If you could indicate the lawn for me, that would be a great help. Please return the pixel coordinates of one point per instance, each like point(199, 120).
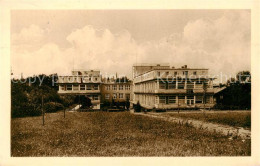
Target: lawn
point(116, 134)
point(232, 118)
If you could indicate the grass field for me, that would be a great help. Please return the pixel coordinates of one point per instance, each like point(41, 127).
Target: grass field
point(232, 118)
point(116, 134)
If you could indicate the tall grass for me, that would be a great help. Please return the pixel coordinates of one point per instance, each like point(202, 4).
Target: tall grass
point(116, 134)
point(236, 119)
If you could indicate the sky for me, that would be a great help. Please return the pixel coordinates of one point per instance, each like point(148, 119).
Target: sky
point(58, 41)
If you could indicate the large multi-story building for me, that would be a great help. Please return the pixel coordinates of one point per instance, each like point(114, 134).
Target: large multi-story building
point(154, 86)
point(159, 86)
point(82, 82)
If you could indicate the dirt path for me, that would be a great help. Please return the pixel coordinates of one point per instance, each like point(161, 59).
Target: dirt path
point(213, 127)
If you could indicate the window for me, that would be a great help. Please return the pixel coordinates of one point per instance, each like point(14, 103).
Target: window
point(172, 85)
point(95, 97)
point(127, 87)
point(62, 87)
point(127, 96)
point(69, 87)
point(162, 85)
point(181, 99)
point(121, 95)
point(121, 87)
point(194, 73)
point(208, 99)
point(190, 85)
point(185, 73)
point(181, 85)
point(172, 99)
point(89, 78)
point(107, 87)
point(158, 74)
point(95, 87)
point(75, 87)
point(114, 87)
point(82, 87)
point(189, 91)
point(96, 79)
point(162, 99)
point(107, 96)
point(175, 73)
point(89, 87)
point(199, 85)
point(199, 99)
point(114, 96)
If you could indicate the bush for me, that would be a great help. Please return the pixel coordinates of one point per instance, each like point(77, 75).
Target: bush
point(24, 110)
point(137, 107)
point(53, 107)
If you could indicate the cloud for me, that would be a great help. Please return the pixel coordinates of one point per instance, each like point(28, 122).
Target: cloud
point(29, 38)
point(222, 45)
point(99, 48)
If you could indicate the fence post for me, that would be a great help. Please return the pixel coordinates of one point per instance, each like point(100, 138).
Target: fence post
point(42, 113)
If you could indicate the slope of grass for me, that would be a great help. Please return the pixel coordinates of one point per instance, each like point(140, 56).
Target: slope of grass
point(116, 134)
point(232, 118)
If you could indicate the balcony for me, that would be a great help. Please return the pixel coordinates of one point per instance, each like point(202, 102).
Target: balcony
point(78, 91)
point(173, 91)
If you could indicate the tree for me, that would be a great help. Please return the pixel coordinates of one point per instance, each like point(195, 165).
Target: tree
point(127, 104)
point(205, 86)
point(113, 103)
point(243, 76)
point(137, 107)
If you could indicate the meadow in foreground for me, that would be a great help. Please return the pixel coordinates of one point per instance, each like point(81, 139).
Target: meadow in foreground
point(116, 134)
point(232, 118)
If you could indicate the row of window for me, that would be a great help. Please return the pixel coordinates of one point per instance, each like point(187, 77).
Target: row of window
point(81, 79)
point(120, 87)
point(119, 95)
point(174, 85)
point(93, 97)
point(176, 73)
point(182, 99)
point(79, 87)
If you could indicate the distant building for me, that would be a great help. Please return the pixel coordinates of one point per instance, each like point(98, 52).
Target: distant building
point(82, 83)
point(117, 90)
point(158, 86)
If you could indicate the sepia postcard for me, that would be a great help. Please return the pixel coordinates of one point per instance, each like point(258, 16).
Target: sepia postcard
point(118, 83)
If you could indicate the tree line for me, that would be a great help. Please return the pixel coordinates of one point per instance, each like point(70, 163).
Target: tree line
point(27, 96)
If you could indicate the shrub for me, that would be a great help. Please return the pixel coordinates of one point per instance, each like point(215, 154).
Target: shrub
point(137, 107)
point(53, 107)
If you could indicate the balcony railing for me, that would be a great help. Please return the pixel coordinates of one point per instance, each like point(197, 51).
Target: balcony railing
point(174, 91)
point(78, 91)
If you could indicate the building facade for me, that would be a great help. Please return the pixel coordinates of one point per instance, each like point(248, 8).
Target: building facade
point(159, 86)
point(82, 82)
point(117, 91)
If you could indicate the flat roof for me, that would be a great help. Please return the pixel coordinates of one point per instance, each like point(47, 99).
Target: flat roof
point(151, 64)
